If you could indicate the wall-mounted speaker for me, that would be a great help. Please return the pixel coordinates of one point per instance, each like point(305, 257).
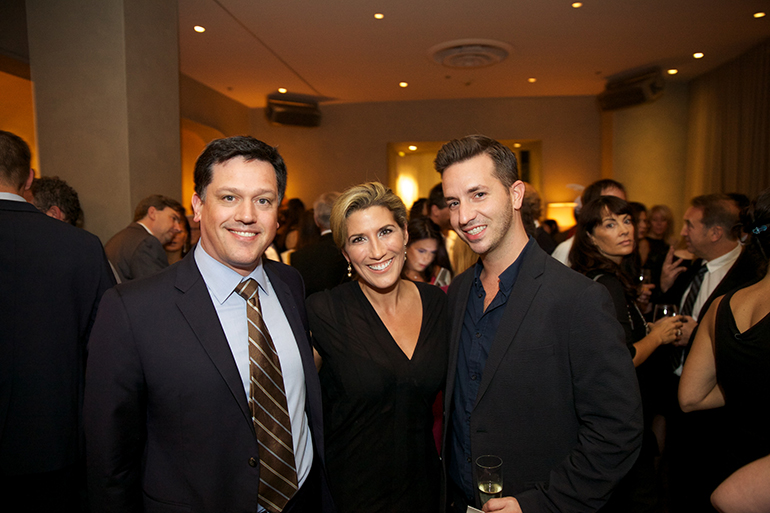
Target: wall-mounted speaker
point(292, 112)
point(629, 90)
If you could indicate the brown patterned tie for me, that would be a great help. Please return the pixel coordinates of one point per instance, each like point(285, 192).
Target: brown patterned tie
point(267, 400)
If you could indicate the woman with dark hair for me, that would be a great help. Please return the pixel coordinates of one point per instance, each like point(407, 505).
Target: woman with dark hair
point(603, 240)
point(179, 246)
point(382, 348)
point(288, 231)
point(426, 257)
point(729, 365)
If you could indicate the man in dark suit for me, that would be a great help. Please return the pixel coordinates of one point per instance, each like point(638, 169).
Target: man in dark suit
point(173, 414)
point(539, 373)
point(720, 267)
point(52, 276)
point(137, 250)
point(321, 264)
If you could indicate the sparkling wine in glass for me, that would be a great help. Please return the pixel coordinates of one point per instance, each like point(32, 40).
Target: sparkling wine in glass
point(489, 471)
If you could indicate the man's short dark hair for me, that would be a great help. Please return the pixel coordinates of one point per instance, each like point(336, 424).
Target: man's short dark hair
point(436, 197)
point(596, 189)
point(157, 201)
point(15, 159)
point(718, 210)
point(459, 150)
point(49, 191)
point(219, 151)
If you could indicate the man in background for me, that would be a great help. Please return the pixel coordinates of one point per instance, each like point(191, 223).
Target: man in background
point(321, 264)
point(52, 277)
point(137, 250)
point(438, 212)
point(55, 198)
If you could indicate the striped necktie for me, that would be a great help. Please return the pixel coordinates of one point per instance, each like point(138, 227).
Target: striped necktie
point(689, 302)
point(267, 401)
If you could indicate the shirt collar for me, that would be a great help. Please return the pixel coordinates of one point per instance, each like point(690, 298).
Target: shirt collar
point(145, 227)
point(221, 280)
point(508, 277)
point(325, 232)
point(9, 196)
point(730, 256)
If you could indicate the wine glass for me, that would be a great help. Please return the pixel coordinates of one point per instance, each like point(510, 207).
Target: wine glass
point(662, 311)
point(489, 472)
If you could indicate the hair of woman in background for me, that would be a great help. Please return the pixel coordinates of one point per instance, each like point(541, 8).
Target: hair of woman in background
point(604, 239)
point(424, 251)
point(286, 236)
point(419, 208)
point(661, 224)
point(179, 246)
point(382, 347)
point(729, 365)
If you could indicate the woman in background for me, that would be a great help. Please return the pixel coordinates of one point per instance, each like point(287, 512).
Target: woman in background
point(179, 246)
point(382, 350)
point(729, 365)
point(426, 257)
point(603, 240)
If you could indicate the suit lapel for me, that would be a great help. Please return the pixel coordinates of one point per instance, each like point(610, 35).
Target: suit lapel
point(197, 308)
point(459, 297)
point(522, 296)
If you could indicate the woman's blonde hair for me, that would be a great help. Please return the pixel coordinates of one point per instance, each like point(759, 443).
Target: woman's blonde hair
point(361, 197)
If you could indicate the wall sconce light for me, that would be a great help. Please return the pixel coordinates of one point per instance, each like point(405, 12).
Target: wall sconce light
point(562, 213)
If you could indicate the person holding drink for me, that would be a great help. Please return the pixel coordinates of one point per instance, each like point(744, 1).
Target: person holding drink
point(382, 349)
point(538, 372)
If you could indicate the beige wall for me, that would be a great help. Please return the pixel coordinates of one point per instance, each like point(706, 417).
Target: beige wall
point(649, 150)
point(350, 146)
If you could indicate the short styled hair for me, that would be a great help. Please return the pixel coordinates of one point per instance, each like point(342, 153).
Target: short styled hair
point(460, 150)
point(361, 197)
point(15, 160)
point(436, 197)
point(718, 210)
point(597, 189)
point(159, 202)
point(49, 191)
point(219, 151)
point(322, 209)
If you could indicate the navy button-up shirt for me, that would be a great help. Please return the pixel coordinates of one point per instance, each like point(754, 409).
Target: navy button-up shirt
point(479, 329)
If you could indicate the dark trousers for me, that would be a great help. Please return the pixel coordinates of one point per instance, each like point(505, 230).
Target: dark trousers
point(50, 492)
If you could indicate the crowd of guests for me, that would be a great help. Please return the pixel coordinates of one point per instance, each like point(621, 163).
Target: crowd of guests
point(395, 349)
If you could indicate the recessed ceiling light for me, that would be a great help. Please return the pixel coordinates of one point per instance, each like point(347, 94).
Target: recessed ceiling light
point(402, 84)
point(759, 14)
point(199, 29)
point(517, 145)
point(672, 71)
point(698, 55)
point(401, 153)
point(282, 90)
point(531, 80)
point(412, 147)
point(577, 5)
point(379, 15)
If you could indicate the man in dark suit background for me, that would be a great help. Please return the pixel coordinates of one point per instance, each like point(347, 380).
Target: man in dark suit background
point(137, 250)
point(169, 412)
point(539, 373)
point(52, 276)
point(321, 264)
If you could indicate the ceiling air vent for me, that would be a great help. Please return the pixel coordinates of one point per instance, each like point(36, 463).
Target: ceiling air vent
point(470, 53)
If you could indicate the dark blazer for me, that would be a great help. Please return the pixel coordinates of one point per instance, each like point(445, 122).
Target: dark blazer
point(167, 421)
point(135, 253)
point(321, 265)
point(52, 276)
point(559, 400)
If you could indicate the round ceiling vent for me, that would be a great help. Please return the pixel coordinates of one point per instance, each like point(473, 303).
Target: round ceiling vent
point(470, 53)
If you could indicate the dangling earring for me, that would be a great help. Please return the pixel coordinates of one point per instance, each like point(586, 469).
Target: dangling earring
point(350, 271)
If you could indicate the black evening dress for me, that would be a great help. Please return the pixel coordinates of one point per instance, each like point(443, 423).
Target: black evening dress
point(380, 451)
point(743, 372)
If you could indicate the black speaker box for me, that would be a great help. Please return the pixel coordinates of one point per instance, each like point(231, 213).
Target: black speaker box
point(632, 90)
point(292, 113)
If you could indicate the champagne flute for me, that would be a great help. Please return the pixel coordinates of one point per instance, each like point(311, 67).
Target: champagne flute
point(662, 311)
point(489, 472)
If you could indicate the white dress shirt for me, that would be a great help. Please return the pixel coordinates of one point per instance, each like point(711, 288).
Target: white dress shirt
point(231, 309)
point(717, 269)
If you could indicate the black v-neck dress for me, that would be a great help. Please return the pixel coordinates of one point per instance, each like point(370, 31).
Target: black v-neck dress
point(380, 452)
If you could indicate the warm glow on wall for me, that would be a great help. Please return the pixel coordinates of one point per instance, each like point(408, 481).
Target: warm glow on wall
point(406, 189)
point(562, 213)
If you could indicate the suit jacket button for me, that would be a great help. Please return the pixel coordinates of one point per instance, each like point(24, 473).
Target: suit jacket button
point(252, 462)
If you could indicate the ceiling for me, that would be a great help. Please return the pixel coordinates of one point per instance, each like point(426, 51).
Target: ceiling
point(337, 50)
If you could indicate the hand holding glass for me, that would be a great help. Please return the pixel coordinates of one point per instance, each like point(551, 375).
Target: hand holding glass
point(489, 472)
point(662, 311)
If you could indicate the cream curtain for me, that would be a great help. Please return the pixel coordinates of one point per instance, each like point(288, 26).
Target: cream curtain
point(729, 127)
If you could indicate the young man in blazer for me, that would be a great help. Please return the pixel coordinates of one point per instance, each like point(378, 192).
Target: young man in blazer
point(170, 411)
point(539, 373)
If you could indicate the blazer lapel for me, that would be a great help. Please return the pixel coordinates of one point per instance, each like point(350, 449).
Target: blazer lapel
point(460, 304)
point(521, 298)
point(197, 308)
